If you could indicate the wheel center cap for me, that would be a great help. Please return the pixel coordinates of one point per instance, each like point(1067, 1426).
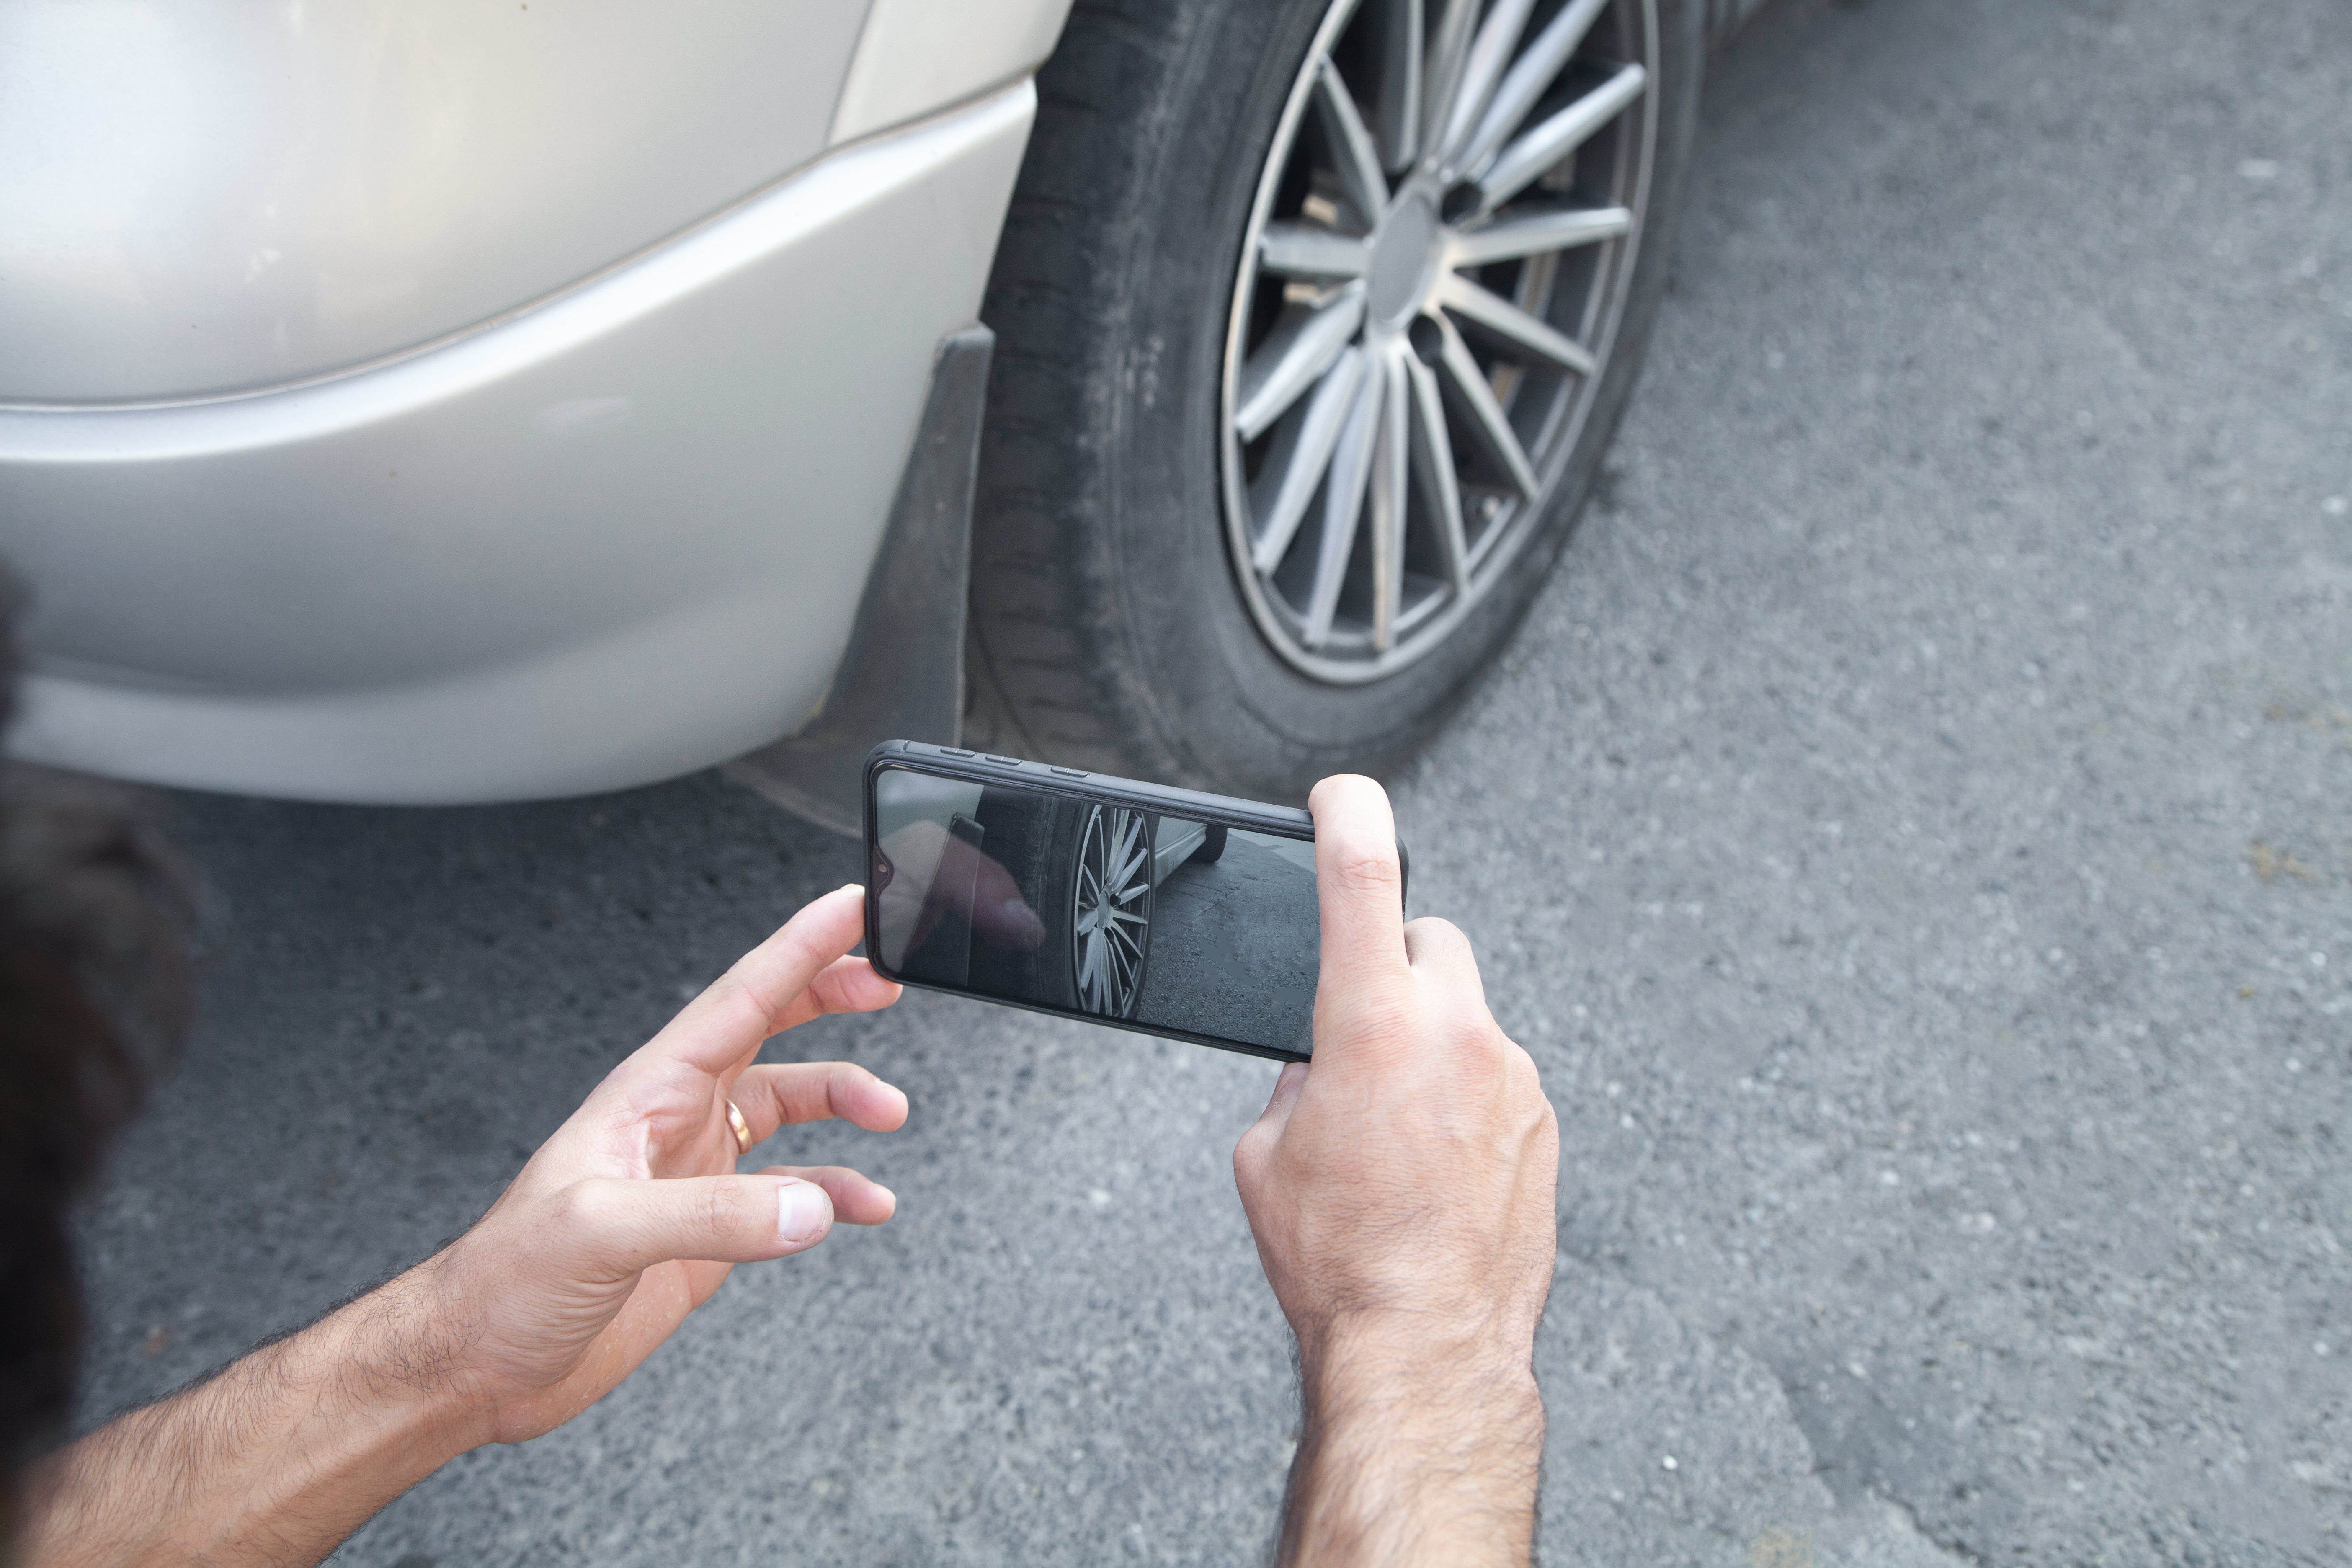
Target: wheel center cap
point(1404, 254)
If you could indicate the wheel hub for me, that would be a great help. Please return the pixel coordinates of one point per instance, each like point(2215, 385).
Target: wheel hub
point(1405, 254)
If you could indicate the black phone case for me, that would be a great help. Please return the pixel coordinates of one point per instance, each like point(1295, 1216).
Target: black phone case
point(951, 762)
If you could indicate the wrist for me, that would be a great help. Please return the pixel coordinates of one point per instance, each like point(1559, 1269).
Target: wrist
point(1421, 1441)
point(1416, 1356)
point(395, 1361)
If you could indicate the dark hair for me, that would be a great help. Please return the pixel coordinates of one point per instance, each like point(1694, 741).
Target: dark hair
point(95, 918)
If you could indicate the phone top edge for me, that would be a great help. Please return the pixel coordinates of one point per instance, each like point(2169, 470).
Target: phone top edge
point(959, 762)
point(1197, 806)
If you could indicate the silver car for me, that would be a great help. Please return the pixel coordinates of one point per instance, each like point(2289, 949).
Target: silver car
point(443, 402)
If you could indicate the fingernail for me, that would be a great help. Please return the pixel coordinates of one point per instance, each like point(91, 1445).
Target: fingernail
point(801, 1211)
point(858, 887)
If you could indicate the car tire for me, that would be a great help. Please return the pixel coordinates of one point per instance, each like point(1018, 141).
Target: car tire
point(1212, 846)
point(1113, 621)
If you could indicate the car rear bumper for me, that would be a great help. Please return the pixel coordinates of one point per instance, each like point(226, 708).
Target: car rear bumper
point(610, 538)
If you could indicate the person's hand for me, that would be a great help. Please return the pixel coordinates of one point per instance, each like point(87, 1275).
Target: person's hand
point(1402, 1190)
point(1404, 1183)
point(630, 1216)
point(623, 1223)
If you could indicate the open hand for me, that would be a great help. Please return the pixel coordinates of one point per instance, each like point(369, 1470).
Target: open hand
point(631, 1215)
point(623, 1223)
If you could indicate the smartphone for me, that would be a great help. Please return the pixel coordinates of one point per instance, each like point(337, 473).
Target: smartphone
point(1138, 905)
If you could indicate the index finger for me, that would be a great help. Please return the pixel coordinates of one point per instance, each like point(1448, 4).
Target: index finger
point(1358, 884)
point(760, 995)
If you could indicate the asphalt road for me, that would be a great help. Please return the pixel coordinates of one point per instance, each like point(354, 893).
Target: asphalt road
point(1914, 833)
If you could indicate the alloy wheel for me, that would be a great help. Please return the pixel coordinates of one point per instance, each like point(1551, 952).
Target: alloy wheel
point(1440, 249)
point(1111, 910)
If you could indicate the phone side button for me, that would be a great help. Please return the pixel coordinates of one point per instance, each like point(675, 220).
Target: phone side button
point(1071, 772)
point(951, 752)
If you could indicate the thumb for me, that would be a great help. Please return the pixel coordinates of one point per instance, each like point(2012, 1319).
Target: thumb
point(616, 1228)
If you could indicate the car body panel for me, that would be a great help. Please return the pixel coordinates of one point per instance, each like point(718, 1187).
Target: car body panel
point(215, 195)
point(916, 56)
point(611, 539)
point(1174, 841)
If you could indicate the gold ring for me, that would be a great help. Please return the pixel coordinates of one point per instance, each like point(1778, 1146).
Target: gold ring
point(742, 1128)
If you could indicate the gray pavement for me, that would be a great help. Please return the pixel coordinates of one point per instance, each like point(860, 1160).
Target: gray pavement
point(1914, 833)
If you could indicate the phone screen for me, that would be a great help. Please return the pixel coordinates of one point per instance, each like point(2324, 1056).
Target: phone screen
point(1099, 910)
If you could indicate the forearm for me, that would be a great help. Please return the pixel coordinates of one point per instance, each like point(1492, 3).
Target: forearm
point(1413, 1452)
point(273, 1461)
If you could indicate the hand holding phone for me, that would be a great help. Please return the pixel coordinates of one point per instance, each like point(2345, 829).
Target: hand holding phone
point(1400, 1188)
point(1402, 1193)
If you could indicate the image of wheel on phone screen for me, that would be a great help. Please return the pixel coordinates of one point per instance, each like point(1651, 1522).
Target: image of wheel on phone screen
point(1110, 910)
point(1087, 870)
point(1091, 871)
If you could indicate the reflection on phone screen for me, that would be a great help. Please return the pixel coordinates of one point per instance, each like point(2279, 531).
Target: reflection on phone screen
point(1007, 891)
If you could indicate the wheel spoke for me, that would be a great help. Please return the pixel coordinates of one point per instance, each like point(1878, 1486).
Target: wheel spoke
point(1530, 157)
point(1343, 505)
point(1358, 159)
point(1298, 351)
point(1391, 467)
point(1516, 327)
point(1310, 250)
point(1491, 51)
point(1110, 955)
point(1398, 118)
point(1432, 467)
point(1449, 51)
point(1488, 426)
point(1302, 455)
point(1519, 236)
point(1530, 77)
point(1132, 854)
